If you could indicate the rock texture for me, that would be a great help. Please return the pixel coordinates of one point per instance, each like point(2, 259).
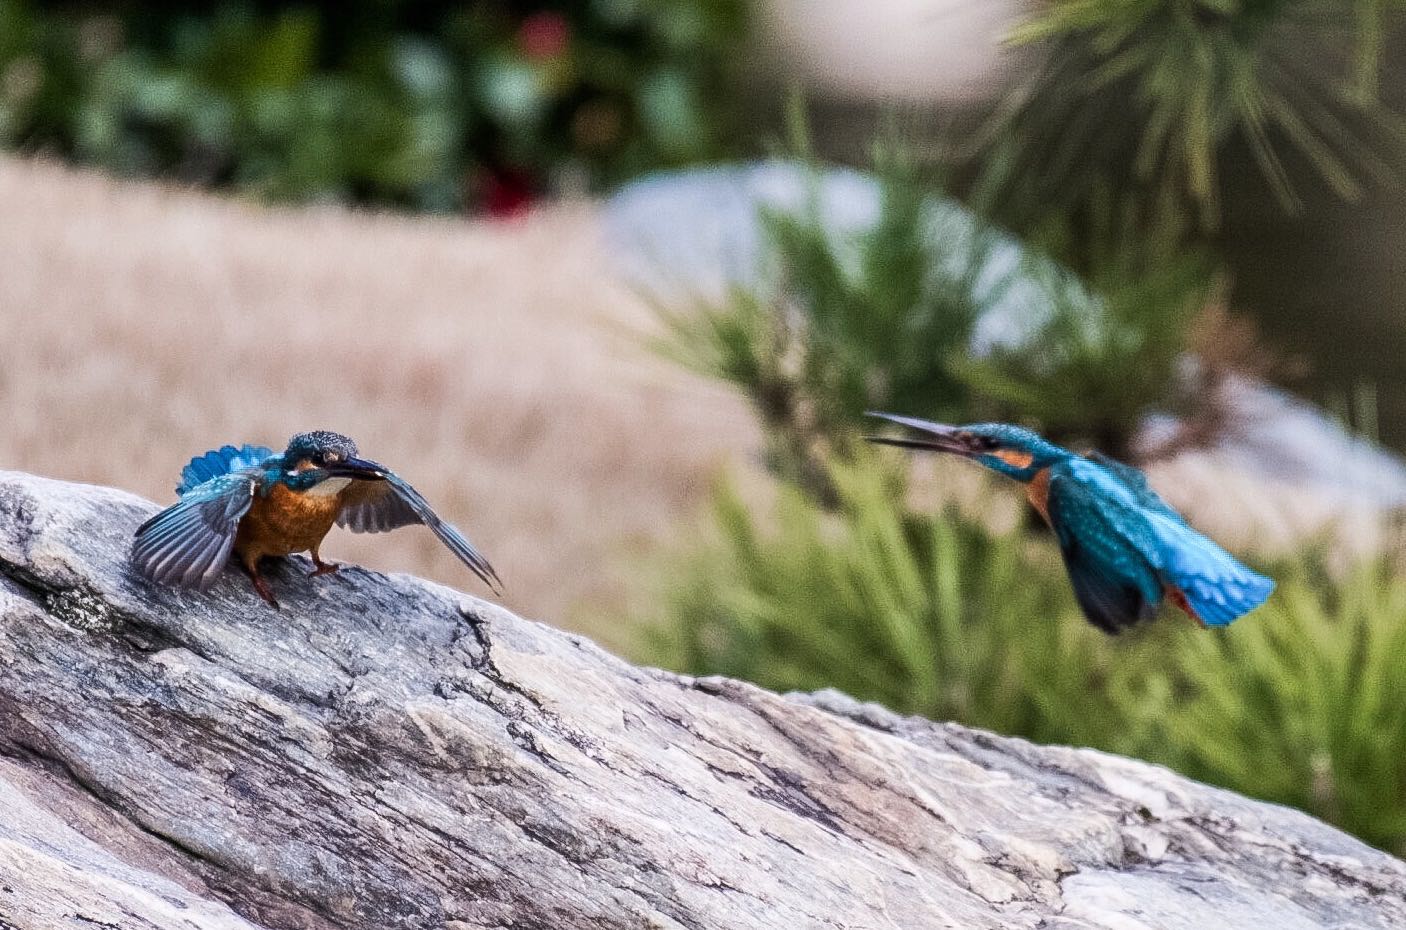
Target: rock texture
point(386, 753)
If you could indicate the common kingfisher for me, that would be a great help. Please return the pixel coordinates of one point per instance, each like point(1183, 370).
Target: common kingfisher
point(1125, 548)
point(254, 503)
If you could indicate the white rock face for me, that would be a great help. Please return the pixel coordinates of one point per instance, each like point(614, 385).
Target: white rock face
point(386, 753)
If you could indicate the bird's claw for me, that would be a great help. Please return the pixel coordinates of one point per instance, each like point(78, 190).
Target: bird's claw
point(323, 568)
point(265, 593)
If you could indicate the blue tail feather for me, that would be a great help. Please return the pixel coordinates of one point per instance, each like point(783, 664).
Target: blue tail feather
point(1217, 587)
point(222, 461)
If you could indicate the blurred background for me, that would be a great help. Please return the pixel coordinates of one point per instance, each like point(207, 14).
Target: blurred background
point(612, 282)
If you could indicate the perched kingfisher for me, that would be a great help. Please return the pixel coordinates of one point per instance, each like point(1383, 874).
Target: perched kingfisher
point(254, 503)
point(1124, 547)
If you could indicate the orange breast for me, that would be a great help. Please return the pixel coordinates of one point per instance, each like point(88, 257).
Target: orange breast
point(285, 522)
point(1038, 491)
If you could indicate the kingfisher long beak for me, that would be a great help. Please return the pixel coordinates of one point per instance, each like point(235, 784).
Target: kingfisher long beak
point(937, 437)
point(357, 468)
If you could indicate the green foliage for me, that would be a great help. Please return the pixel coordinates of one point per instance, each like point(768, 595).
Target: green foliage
point(877, 319)
point(943, 616)
point(433, 106)
point(915, 612)
point(1303, 704)
point(1106, 353)
point(886, 317)
point(1134, 103)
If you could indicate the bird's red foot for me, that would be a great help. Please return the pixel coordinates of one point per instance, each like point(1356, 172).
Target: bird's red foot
point(264, 592)
point(322, 568)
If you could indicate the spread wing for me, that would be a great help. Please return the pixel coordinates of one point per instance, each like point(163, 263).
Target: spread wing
point(1114, 583)
point(1123, 546)
point(222, 461)
point(190, 541)
point(376, 506)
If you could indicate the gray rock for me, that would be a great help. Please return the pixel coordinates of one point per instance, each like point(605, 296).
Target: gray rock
point(386, 753)
point(691, 236)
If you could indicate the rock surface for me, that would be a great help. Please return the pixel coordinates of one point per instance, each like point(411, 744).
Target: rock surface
point(386, 753)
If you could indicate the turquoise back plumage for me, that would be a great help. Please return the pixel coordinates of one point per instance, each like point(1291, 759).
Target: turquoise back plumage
point(222, 461)
point(1124, 546)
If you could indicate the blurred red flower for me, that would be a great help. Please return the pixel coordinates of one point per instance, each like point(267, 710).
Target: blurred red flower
point(504, 192)
point(544, 35)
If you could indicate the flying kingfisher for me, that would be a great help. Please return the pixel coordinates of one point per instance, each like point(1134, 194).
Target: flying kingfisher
point(254, 503)
point(1124, 547)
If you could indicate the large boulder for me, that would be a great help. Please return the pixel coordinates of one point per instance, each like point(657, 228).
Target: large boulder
point(387, 753)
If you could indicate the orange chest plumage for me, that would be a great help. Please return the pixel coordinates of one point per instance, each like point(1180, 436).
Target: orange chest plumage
point(1038, 492)
point(285, 521)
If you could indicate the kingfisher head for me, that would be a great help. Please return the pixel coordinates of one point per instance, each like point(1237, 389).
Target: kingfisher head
point(1014, 451)
point(313, 458)
point(317, 449)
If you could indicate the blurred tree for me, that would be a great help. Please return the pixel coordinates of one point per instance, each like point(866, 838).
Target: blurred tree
point(877, 318)
point(1134, 103)
point(934, 311)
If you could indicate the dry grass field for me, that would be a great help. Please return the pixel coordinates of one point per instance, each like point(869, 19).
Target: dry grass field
point(497, 366)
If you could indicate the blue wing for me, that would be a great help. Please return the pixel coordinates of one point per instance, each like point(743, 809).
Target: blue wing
point(1217, 588)
point(1117, 501)
point(1136, 482)
point(1115, 584)
point(190, 541)
point(379, 506)
point(222, 461)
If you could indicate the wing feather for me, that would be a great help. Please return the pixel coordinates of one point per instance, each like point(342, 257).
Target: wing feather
point(374, 507)
point(1110, 507)
point(190, 541)
point(1114, 583)
point(1217, 587)
point(225, 460)
point(382, 505)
